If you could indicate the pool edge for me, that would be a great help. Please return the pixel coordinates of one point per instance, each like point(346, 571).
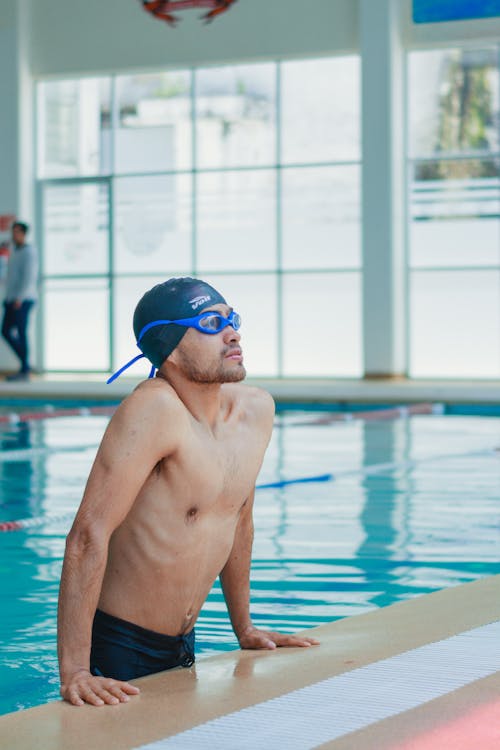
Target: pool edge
point(172, 702)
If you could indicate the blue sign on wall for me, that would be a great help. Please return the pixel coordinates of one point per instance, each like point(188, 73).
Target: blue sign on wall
point(432, 11)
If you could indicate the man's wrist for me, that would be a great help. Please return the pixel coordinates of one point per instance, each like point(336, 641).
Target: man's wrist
point(244, 629)
point(67, 673)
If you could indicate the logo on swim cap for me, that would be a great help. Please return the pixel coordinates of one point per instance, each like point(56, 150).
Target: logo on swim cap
point(197, 301)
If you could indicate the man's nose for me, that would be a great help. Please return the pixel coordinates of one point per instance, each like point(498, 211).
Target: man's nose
point(231, 335)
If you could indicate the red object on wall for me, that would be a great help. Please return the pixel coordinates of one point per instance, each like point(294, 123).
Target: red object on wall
point(163, 8)
point(6, 222)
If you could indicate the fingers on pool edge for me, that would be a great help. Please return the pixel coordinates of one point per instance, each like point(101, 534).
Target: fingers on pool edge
point(129, 689)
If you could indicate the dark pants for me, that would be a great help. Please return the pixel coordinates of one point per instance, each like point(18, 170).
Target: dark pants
point(125, 651)
point(14, 326)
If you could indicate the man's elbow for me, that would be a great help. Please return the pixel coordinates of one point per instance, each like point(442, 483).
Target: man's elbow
point(84, 540)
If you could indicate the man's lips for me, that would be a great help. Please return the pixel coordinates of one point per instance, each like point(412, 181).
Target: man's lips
point(235, 354)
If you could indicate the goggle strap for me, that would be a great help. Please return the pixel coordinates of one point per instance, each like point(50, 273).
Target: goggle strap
point(152, 372)
point(125, 367)
point(152, 325)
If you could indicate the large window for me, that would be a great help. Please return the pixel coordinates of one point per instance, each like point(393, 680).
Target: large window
point(454, 239)
point(246, 175)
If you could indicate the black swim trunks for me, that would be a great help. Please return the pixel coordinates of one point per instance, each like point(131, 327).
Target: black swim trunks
point(125, 651)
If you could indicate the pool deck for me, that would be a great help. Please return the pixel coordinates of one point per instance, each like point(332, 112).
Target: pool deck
point(173, 702)
point(397, 390)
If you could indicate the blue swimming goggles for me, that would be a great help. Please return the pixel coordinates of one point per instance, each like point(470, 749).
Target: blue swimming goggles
point(208, 322)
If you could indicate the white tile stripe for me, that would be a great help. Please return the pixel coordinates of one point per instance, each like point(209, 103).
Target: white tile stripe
point(306, 718)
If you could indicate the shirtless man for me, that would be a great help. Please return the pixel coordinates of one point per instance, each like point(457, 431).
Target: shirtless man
point(168, 504)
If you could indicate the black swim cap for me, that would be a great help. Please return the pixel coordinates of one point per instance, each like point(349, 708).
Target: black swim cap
point(176, 298)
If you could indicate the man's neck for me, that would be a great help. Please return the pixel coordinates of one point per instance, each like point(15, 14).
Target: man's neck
point(202, 400)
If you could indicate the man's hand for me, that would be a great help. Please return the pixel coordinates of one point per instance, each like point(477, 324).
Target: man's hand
point(256, 639)
point(82, 687)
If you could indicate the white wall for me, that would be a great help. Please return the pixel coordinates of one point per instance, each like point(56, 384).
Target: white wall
point(9, 93)
point(110, 35)
point(16, 128)
point(8, 138)
point(107, 35)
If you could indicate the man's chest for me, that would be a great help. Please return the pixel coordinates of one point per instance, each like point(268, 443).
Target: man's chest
point(220, 470)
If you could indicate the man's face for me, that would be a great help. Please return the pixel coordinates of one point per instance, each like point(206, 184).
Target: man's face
point(211, 358)
point(17, 235)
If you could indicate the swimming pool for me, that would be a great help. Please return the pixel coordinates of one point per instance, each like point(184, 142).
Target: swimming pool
point(357, 514)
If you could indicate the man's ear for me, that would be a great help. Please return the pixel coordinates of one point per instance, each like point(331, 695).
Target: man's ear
point(173, 357)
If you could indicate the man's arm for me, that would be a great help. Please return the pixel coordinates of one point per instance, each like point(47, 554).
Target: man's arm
point(235, 582)
point(136, 439)
point(235, 575)
point(26, 286)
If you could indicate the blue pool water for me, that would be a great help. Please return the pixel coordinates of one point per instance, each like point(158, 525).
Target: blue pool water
point(412, 506)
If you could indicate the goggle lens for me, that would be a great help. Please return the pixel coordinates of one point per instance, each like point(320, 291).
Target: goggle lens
point(215, 322)
point(211, 322)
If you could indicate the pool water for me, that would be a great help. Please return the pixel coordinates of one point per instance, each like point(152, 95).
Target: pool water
point(360, 514)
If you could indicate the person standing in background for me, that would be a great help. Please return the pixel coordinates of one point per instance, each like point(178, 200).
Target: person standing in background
point(20, 296)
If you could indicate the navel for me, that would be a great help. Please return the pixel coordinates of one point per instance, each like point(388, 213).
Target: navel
point(192, 513)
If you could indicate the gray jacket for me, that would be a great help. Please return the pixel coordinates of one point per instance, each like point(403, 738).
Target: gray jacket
point(22, 274)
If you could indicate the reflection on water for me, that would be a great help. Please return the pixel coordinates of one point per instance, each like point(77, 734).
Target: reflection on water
point(426, 520)
point(17, 477)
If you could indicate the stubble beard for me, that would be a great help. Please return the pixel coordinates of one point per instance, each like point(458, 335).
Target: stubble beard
point(218, 372)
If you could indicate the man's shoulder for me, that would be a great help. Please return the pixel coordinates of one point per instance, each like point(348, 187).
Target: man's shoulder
point(249, 393)
point(255, 401)
point(152, 400)
point(261, 398)
point(159, 393)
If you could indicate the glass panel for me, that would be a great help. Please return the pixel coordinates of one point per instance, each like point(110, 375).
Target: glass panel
point(236, 116)
point(455, 324)
point(453, 101)
point(321, 217)
point(75, 229)
point(126, 294)
point(74, 127)
point(76, 324)
point(320, 102)
point(153, 224)
point(154, 131)
point(254, 296)
point(322, 324)
point(236, 221)
point(455, 208)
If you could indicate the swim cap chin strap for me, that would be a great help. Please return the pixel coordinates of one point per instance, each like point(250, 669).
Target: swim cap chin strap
point(129, 364)
point(146, 328)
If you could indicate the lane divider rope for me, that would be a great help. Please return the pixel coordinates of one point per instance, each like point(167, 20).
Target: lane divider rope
point(51, 413)
point(396, 412)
